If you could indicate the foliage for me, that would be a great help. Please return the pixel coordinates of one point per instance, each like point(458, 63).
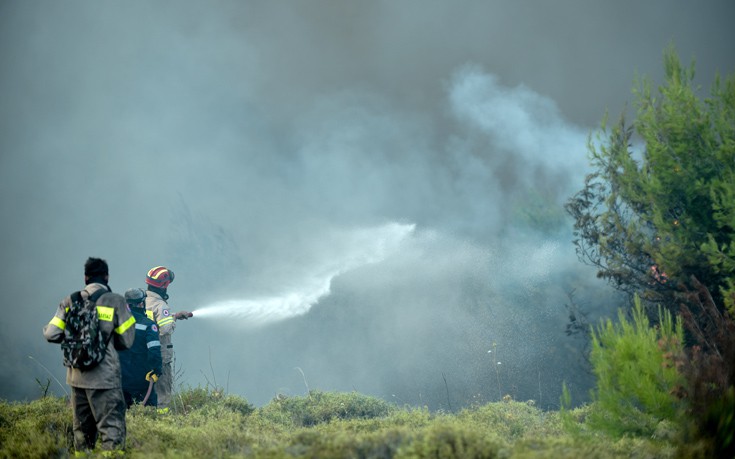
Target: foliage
point(638, 373)
point(659, 219)
point(710, 372)
point(650, 220)
point(537, 210)
point(217, 426)
point(572, 419)
point(41, 428)
point(319, 407)
point(206, 397)
point(512, 420)
point(452, 439)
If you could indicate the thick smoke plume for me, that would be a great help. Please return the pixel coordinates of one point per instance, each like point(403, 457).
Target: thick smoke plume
point(261, 150)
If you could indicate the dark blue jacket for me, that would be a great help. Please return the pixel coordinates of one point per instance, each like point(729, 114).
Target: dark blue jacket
point(143, 356)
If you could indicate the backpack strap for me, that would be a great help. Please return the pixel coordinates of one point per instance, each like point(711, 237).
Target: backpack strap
point(96, 295)
point(76, 297)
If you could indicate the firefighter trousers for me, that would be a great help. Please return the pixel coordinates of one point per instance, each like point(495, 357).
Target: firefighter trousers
point(98, 412)
point(165, 385)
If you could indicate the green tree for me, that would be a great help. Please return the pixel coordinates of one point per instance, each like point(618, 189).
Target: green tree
point(657, 217)
point(638, 373)
point(651, 217)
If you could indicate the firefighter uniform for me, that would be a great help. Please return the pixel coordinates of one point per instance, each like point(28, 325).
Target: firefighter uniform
point(157, 309)
point(141, 359)
point(97, 398)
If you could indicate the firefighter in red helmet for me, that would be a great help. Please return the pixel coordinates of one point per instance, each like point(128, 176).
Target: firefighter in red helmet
point(157, 309)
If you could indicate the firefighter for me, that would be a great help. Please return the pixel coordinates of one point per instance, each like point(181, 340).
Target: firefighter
point(156, 305)
point(141, 364)
point(96, 394)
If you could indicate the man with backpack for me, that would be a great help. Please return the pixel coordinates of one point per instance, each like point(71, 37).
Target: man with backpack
point(158, 280)
point(92, 325)
point(141, 364)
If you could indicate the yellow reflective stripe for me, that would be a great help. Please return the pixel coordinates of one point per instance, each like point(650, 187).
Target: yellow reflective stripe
point(123, 328)
point(105, 313)
point(149, 314)
point(165, 321)
point(58, 322)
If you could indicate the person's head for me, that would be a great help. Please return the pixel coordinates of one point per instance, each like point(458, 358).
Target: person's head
point(135, 297)
point(159, 277)
point(96, 270)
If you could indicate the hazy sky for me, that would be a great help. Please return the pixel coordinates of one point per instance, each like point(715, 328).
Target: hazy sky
point(393, 172)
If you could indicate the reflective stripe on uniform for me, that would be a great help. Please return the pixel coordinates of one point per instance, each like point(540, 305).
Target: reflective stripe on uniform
point(149, 314)
point(154, 344)
point(105, 313)
point(140, 326)
point(165, 321)
point(58, 322)
point(124, 327)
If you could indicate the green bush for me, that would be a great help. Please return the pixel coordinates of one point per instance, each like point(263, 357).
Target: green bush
point(511, 419)
point(334, 440)
point(325, 425)
point(210, 430)
point(41, 428)
point(205, 397)
point(636, 366)
point(448, 439)
point(319, 407)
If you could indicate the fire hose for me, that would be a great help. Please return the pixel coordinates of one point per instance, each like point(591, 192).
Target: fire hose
point(148, 394)
point(152, 378)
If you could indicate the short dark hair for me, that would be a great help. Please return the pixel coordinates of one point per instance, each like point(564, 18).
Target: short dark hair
point(95, 268)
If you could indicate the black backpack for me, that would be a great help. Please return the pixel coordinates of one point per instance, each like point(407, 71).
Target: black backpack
point(84, 346)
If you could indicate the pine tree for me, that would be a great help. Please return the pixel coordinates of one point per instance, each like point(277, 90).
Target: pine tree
point(650, 217)
point(657, 218)
point(638, 370)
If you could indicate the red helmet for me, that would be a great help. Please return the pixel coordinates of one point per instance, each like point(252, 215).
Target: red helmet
point(160, 277)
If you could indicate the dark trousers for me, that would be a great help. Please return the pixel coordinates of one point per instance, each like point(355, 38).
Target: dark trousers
point(98, 412)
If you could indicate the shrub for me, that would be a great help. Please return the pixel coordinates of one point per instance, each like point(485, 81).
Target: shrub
point(333, 440)
point(220, 427)
point(510, 419)
point(319, 407)
point(451, 439)
point(637, 370)
point(41, 428)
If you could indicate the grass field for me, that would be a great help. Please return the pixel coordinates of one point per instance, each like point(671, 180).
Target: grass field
point(208, 423)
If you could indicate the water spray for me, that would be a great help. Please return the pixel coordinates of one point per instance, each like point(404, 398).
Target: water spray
point(359, 248)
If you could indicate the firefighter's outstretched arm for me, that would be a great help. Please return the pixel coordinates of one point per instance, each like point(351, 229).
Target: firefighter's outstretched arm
point(183, 315)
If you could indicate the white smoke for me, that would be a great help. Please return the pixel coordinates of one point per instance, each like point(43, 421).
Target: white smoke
point(519, 121)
